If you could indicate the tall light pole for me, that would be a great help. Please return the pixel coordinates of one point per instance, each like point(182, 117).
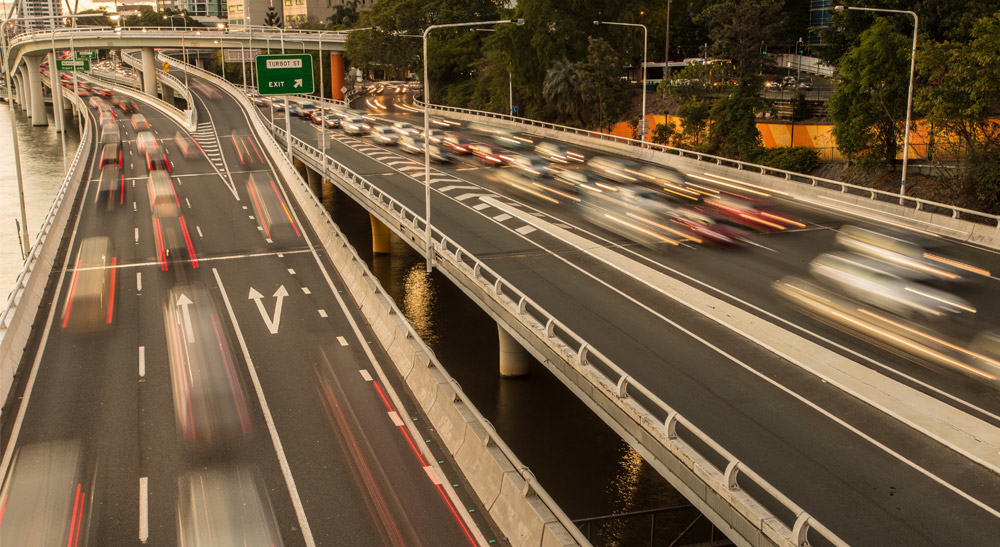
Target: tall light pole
point(666, 51)
point(428, 247)
point(642, 125)
point(183, 16)
point(795, 93)
point(909, 92)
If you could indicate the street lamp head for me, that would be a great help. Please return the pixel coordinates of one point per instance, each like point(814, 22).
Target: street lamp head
point(597, 22)
point(840, 8)
point(518, 22)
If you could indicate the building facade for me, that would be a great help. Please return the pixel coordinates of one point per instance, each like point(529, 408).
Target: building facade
point(40, 8)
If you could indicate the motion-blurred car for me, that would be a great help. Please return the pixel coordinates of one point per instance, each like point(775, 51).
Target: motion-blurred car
point(411, 144)
point(440, 153)
point(90, 301)
point(306, 109)
point(258, 100)
point(404, 128)
point(273, 214)
point(615, 169)
point(278, 103)
point(458, 144)
point(749, 212)
point(333, 121)
point(225, 508)
point(111, 190)
point(139, 121)
point(913, 260)
point(489, 154)
point(435, 136)
point(169, 230)
point(384, 135)
point(316, 117)
point(864, 280)
point(126, 105)
point(706, 227)
point(531, 166)
point(209, 400)
point(355, 125)
point(48, 496)
point(557, 153)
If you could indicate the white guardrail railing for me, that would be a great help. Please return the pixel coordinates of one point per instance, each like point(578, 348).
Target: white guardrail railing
point(187, 118)
point(844, 187)
point(531, 486)
point(18, 317)
point(656, 417)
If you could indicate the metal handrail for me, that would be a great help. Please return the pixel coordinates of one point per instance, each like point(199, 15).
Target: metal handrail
point(913, 202)
point(495, 438)
point(29, 263)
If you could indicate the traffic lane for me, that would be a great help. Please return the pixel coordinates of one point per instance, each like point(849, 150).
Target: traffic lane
point(340, 426)
point(723, 400)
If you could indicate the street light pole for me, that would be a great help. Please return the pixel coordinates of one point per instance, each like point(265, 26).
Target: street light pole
point(795, 93)
point(428, 247)
point(909, 92)
point(645, 33)
point(666, 51)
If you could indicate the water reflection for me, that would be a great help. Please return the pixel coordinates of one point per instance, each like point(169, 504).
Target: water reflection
point(418, 302)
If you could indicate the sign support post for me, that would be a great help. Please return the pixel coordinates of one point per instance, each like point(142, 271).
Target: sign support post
point(285, 75)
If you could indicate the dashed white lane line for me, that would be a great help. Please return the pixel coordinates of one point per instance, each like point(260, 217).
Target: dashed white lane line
point(322, 313)
point(142, 361)
point(342, 340)
point(395, 418)
point(366, 375)
point(137, 235)
point(501, 217)
point(143, 509)
point(481, 206)
point(138, 281)
point(199, 232)
point(251, 217)
point(525, 230)
point(133, 206)
point(186, 200)
point(306, 290)
point(291, 271)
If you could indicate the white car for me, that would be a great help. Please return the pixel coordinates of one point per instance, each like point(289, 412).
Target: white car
point(355, 126)
point(435, 136)
point(404, 128)
point(384, 135)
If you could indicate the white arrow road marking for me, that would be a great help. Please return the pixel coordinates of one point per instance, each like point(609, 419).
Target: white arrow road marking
point(271, 322)
point(184, 302)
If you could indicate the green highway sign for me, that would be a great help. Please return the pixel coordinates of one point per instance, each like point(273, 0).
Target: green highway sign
point(284, 74)
point(70, 65)
point(86, 55)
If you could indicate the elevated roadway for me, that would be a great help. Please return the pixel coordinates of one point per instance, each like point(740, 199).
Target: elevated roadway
point(854, 461)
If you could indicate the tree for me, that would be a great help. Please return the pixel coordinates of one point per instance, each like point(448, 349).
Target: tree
point(738, 28)
point(869, 105)
point(271, 18)
point(695, 113)
point(345, 14)
point(733, 132)
point(602, 85)
point(665, 134)
point(99, 19)
point(562, 89)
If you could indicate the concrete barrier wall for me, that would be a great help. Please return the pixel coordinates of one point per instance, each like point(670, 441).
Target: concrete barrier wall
point(520, 507)
point(20, 314)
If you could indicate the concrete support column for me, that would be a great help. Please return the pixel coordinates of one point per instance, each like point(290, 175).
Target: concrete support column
point(23, 87)
point(315, 182)
point(514, 359)
point(58, 110)
point(380, 236)
point(148, 71)
point(328, 194)
point(199, 63)
point(337, 75)
point(168, 94)
point(15, 81)
point(38, 114)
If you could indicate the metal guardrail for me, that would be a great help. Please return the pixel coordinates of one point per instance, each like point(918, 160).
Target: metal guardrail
point(655, 416)
point(519, 467)
point(918, 204)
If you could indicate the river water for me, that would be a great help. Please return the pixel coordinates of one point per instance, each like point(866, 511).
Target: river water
point(42, 173)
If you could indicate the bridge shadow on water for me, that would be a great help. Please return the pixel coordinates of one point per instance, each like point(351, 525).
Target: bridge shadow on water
point(597, 478)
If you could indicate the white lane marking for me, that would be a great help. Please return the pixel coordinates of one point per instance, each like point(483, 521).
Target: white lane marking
point(306, 290)
point(137, 235)
point(186, 200)
point(569, 238)
point(501, 217)
point(200, 235)
point(291, 271)
point(481, 206)
point(272, 322)
point(143, 509)
point(464, 197)
point(525, 230)
point(138, 281)
point(142, 361)
point(364, 374)
point(251, 217)
point(432, 474)
point(244, 207)
point(133, 206)
point(395, 418)
point(322, 313)
point(342, 340)
point(286, 471)
point(281, 255)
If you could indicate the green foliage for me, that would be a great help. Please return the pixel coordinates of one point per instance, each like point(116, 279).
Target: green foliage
point(100, 19)
point(733, 132)
point(665, 134)
point(695, 113)
point(345, 14)
point(737, 29)
point(801, 108)
point(869, 105)
point(272, 19)
point(799, 159)
point(562, 89)
point(159, 19)
point(602, 85)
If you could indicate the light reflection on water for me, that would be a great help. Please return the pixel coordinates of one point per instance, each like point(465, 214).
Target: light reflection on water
point(580, 461)
point(42, 173)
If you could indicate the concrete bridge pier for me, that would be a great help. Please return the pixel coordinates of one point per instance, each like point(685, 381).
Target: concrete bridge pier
point(38, 114)
point(514, 359)
point(22, 86)
point(315, 182)
point(148, 71)
point(168, 94)
point(58, 110)
point(327, 195)
point(380, 236)
point(199, 63)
